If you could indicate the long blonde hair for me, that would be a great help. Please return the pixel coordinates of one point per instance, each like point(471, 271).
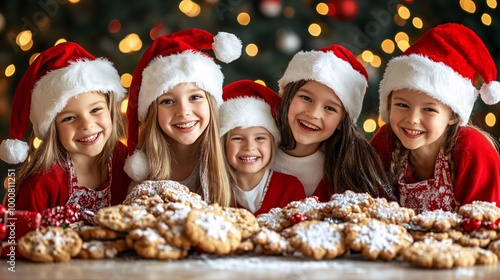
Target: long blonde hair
point(51, 151)
point(214, 178)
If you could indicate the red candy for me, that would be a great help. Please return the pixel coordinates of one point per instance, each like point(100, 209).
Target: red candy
point(61, 215)
point(297, 218)
point(3, 231)
point(471, 224)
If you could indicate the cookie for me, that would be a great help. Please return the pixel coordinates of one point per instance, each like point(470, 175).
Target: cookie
point(145, 201)
point(97, 249)
point(246, 246)
point(149, 244)
point(308, 208)
point(431, 253)
point(177, 193)
point(98, 233)
point(341, 205)
point(479, 238)
point(486, 212)
point(377, 239)
point(495, 247)
point(390, 212)
point(123, 218)
point(437, 220)
point(212, 232)
point(151, 188)
point(318, 239)
point(50, 244)
point(274, 220)
point(244, 220)
point(484, 257)
point(171, 224)
point(421, 235)
point(272, 243)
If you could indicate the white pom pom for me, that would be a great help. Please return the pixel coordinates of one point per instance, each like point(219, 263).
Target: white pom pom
point(13, 151)
point(226, 46)
point(490, 93)
point(137, 166)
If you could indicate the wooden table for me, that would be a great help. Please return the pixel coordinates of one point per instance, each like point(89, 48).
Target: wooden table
point(239, 268)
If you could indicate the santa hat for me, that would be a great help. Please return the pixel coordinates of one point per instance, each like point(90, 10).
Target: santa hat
point(57, 74)
point(247, 104)
point(335, 67)
point(444, 63)
point(173, 59)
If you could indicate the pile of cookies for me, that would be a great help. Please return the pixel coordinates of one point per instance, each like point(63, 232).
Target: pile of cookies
point(164, 220)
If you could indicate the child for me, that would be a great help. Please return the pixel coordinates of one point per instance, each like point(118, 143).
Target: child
point(322, 94)
point(435, 158)
point(72, 100)
point(250, 135)
point(173, 117)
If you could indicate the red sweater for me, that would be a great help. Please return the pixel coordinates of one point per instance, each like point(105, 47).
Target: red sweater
point(476, 164)
point(51, 188)
point(282, 190)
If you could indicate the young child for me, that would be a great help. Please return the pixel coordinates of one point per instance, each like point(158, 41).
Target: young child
point(173, 119)
point(72, 100)
point(322, 94)
point(434, 157)
point(250, 136)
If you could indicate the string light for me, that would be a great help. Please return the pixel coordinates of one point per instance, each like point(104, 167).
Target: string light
point(314, 29)
point(369, 125)
point(243, 19)
point(126, 80)
point(252, 50)
point(486, 19)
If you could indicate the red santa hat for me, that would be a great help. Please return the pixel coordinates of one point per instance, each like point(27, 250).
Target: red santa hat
point(57, 74)
point(335, 67)
point(247, 104)
point(173, 59)
point(445, 63)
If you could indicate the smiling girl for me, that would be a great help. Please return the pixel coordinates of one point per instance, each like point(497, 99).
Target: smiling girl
point(322, 95)
point(250, 138)
point(435, 158)
point(173, 117)
point(72, 101)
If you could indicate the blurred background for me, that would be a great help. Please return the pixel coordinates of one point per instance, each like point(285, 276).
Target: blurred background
point(271, 31)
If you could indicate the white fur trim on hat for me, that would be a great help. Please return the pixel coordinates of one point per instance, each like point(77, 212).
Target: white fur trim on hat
point(52, 92)
point(490, 93)
point(165, 72)
point(137, 166)
point(226, 47)
point(331, 71)
point(13, 151)
point(246, 112)
point(436, 79)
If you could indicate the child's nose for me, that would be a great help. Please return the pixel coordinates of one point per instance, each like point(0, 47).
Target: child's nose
point(313, 112)
point(183, 110)
point(86, 123)
point(413, 117)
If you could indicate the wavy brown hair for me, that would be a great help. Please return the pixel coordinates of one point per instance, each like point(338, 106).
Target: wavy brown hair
point(351, 163)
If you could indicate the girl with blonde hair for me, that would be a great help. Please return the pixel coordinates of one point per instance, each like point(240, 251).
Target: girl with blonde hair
point(173, 118)
point(72, 100)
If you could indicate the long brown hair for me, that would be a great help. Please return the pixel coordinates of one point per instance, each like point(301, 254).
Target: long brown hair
point(350, 161)
point(213, 173)
point(51, 151)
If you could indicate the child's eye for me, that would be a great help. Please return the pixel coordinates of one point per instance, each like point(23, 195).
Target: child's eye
point(95, 110)
point(196, 97)
point(236, 138)
point(305, 98)
point(166, 101)
point(430, 110)
point(67, 119)
point(260, 138)
point(402, 105)
point(328, 108)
